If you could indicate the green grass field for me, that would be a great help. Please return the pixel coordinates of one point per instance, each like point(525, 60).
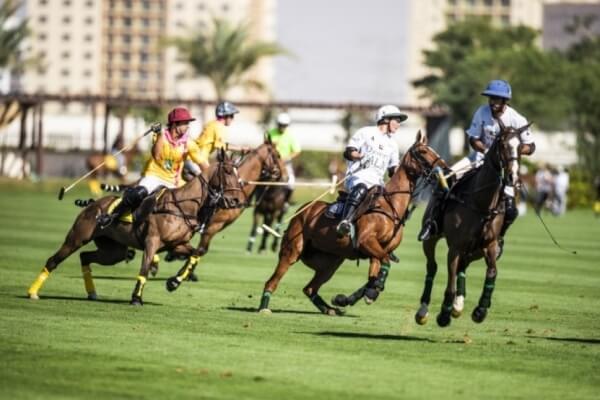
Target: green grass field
point(541, 339)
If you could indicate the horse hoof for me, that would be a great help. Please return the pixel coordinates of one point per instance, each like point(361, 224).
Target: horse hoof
point(421, 319)
point(340, 300)
point(92, 296)
point(371, 295)
point(34, 296)
point(333, 312)
point(456, 313)
point(153, 270)
point(136, 301)
point(443, 319)
point(172, 284)
point(265, 311)
point(192, 277)
point(479, 314)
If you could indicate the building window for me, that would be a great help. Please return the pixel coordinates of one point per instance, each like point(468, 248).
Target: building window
point(42, 19)
point(65, 72)
point(65, 54)
point(89, 20)
point(143, 56)
point(88, 55)
point(43, 2)
point(66, 3)
point(127, 21)
point(128, 4)
point(88, 37)
point(126, 56)
point(201, 6)
point(126, 38)
point(506, 3)
point(87, 73)
point(42, 37)
point(471, 2)
point(145, 22)
point(125, 73)
point(488, 3)
point(89, 3)
point(66, 20)
point(66, 37)
point(225, 7)
point(146, 5)
point(145, 39)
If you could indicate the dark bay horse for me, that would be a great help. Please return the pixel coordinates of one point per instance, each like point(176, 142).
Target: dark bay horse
point(270, 207)
point(262, 163)
point(471, 223)
point(311, 236)
point(164, 223)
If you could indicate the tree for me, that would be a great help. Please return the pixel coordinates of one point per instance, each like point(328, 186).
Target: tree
point(472, 52)
point(225, 54)
point(584, 90)
point(12, 33)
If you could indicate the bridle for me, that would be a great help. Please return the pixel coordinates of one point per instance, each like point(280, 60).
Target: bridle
point(216, 196)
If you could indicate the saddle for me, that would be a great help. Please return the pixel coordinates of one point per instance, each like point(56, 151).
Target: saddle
point(334, 210)
point(143, 210)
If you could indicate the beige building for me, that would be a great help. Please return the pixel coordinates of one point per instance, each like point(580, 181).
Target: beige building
point(114, 47)
point(430, 17)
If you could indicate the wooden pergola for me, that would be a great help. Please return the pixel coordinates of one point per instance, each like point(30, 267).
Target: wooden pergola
point(35, 104)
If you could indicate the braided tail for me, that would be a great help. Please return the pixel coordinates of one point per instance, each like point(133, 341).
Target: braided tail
point(83, 203)
point(112, 188)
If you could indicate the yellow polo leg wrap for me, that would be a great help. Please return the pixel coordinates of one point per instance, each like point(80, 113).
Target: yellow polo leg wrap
point(140, 286)
point(39, 281)
point(156, 259)
point(88, 281)
point(193, 260)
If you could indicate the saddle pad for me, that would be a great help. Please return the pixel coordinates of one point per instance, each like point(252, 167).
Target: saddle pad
point(127, 217)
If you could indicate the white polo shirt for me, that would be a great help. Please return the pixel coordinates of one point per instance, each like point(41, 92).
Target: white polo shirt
point(485, 128)
point(379, 151)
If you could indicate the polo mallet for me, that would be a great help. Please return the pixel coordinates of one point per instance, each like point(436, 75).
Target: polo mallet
point(155, 127)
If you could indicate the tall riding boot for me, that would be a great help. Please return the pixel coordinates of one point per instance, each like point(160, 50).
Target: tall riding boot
point(430, 221)
point(354, 199)
point(132, 198)
point(105, 220)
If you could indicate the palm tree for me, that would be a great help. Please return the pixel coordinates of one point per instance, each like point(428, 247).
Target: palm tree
point(225, 54)
point(12, 33)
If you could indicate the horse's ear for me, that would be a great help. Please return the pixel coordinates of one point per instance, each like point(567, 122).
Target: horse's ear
point(524, 128)
point(421, 137)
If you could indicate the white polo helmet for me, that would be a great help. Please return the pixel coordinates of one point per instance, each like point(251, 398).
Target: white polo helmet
point(389, 111)
point(284, 119)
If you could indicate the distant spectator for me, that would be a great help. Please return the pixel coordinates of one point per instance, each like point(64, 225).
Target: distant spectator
point(543, 186)
point(561, 186)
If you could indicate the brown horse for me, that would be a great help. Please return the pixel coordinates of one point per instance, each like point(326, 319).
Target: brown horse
point(270, 207)
point(311, 236)
point(262, 163)
point(471, 221)
point(164, 222)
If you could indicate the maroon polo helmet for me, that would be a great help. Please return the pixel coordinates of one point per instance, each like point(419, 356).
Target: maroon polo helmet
point(179, 114)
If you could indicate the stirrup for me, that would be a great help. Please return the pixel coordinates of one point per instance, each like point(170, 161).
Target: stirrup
point(104, 220)
point(344, 227)
point(427, 231)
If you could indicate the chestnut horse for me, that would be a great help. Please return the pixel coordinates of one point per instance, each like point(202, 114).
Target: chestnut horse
point(164, 222)
point(471, 223)
point(311, 236)
point(271, 206)
point(262, 163)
